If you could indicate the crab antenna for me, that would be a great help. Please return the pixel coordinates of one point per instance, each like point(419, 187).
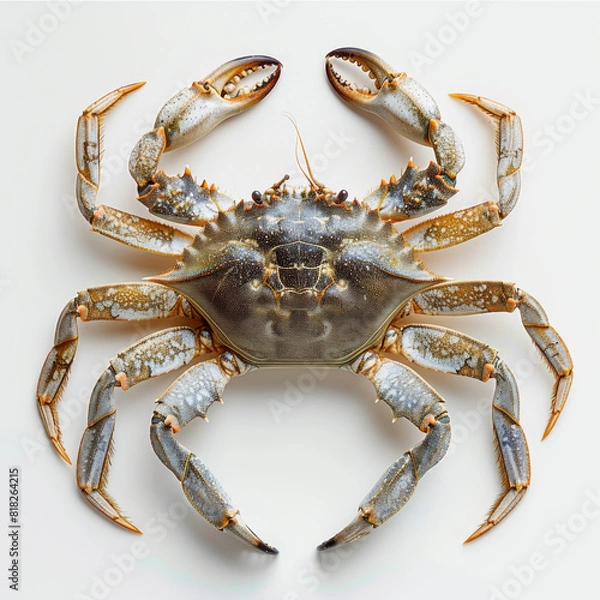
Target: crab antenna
point(314, 182)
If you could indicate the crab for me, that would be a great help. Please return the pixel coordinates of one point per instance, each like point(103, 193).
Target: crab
point(295, 277)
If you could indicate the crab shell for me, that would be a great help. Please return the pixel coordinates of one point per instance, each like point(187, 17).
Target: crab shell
point(299, 280)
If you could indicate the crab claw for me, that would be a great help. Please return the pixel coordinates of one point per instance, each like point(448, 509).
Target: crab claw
point(400, 101)
point(376, 68)
point(196, 110)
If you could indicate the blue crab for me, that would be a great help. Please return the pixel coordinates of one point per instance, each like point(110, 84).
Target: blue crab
point(299, 277)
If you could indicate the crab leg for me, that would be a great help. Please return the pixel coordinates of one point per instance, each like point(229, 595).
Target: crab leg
point(154, 355)
point(116, 224)
point(409, 109)
point(474, 297)
point(186, 118)
point(130, 302)
point(453, 228)
point(449, 351)
point(509, 145)
point(189, 397)
point(462, 225)
point(409, 396)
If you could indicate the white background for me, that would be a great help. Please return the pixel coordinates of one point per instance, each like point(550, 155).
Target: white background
point(299, 462)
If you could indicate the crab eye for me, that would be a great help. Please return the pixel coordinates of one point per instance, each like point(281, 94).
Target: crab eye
point(257, 197)
point(342, 196)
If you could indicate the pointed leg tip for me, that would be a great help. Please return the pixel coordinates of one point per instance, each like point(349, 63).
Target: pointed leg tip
point(550, 426)
point(266, 548)
point(127, 89)
point(239, 529)
point(123, 522)
point(61, 450)
point(327, 544)
point(103, 503)
point(463, 97)
point(356, 529)
point(51, 426)
point(479, 532)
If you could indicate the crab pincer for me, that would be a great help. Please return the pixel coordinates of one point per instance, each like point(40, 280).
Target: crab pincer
point(196, 110)
point(409, 108)
point(185, 118)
